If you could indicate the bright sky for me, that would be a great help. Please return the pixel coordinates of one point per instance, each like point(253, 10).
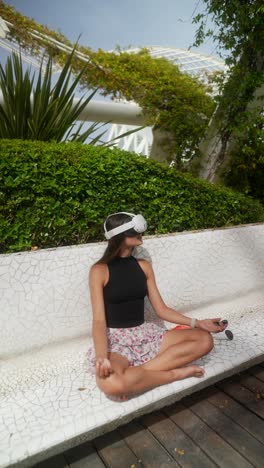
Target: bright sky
point(107, 23)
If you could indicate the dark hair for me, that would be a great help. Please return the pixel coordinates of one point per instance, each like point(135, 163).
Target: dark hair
point(115, 243)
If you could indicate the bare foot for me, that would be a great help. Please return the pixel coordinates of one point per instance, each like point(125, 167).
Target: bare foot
point(117, 398)
point(188, 371)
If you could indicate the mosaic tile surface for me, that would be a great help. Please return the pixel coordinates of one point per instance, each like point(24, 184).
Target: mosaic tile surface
point(49, 401)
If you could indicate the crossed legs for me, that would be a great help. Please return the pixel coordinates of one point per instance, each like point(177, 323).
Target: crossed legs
point(178, 348)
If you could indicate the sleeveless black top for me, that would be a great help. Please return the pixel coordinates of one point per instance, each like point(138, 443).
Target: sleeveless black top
point(124, 293)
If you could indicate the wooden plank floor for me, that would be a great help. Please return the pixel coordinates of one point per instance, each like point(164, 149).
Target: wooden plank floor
point(220, 426)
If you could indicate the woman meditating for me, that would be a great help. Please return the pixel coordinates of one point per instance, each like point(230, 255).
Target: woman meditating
point(129, 355)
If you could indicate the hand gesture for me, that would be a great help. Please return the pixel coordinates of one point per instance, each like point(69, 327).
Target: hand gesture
point(208, 325)
point(103, 367)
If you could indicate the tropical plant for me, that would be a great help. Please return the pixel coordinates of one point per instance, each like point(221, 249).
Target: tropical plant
point(35, 109)
point(38, 112)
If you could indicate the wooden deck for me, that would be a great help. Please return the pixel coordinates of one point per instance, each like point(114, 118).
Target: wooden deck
point(220, 426)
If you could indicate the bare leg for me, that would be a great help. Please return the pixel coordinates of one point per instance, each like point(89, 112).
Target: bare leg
point(180, 347)
point(166, 367)
point(137, 379)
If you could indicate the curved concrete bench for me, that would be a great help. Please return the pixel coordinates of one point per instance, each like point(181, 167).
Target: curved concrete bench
point(49, 402)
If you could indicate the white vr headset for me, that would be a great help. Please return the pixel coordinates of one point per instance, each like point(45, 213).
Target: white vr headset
point(138, 223)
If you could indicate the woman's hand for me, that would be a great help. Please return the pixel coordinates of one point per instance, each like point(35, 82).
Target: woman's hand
point(208, 325)
point(103, 367)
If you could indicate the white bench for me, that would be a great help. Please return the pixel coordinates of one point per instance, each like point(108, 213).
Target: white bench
point(49, 403)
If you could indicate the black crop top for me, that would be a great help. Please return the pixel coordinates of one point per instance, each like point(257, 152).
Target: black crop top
point(124, 293)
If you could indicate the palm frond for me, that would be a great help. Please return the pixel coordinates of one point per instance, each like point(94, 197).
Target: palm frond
point(34, 109)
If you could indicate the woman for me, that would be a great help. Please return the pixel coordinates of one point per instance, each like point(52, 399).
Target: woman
point(131, 356)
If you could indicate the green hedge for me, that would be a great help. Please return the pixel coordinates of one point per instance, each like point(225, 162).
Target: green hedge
point(55, 194)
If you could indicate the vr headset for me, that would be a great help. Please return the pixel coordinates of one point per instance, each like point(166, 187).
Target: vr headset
point(138, 223)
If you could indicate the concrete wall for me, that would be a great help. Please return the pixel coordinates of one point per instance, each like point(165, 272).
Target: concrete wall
point(44, 294)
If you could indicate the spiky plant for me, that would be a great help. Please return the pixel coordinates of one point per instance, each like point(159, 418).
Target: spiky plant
point(36, 110)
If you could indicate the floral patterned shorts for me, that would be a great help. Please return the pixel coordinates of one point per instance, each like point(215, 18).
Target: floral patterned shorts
point(138, 344)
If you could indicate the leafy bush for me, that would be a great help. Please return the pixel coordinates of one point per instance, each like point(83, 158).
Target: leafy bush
point(55, 194)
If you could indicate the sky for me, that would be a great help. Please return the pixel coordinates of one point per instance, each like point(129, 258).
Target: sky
point(108, 23)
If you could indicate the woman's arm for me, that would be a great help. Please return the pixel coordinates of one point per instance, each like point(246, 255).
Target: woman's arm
point(168, 314)
point(97, 279)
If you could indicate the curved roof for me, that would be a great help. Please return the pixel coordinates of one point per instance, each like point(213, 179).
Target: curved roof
point(194, 63)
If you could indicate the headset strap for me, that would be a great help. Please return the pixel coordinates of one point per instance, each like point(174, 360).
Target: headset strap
point(119, 212)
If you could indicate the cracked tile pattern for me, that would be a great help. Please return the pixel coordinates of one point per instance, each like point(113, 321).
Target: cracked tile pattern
point(49, 401)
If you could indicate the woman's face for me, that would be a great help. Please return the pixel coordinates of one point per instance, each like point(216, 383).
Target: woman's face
point(133, 241)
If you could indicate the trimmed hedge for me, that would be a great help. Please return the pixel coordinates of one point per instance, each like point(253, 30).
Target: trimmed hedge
point(55, 194)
